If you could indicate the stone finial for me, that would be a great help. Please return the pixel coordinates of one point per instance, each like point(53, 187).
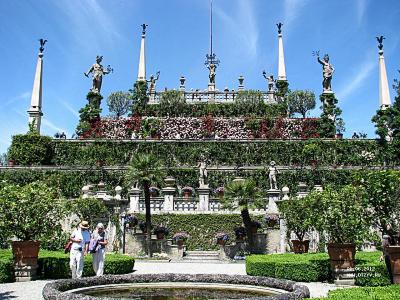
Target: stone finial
point(302, 190)
point(241, 80)
point(118, 191)
point(285, 192)
point(318, 188)
point(85, 191)
point(182, 83)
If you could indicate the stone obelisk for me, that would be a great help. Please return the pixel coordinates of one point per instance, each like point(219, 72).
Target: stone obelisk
point(35, 111)
point(384, 92)
point(142, 58)
point(281, 55)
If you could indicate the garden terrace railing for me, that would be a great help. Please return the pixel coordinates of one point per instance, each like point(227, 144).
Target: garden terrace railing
point(186, 204)
point(206, 96)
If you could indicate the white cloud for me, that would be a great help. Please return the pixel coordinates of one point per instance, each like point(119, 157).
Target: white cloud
point(69, 108)
point(20, 97)
point(243, 24)
point(361, 7)
point(50, 125)
point(292, 9)
point(353, 83)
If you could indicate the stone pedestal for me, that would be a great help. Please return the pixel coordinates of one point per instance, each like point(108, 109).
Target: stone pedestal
point(282, 234)
point(260, 243)
point(134, 197)
point(273, 240)
point(25, 273)
point(211, 93)
point(270, 96)
point(273, 197)
point(204, 198)
point(169, 193)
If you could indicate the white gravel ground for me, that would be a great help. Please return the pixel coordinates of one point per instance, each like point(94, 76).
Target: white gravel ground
point(33, 290)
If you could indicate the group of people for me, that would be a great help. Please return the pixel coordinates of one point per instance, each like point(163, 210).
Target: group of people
point(83, 243)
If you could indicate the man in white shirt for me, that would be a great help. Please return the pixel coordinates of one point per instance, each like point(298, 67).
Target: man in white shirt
point(80, 239)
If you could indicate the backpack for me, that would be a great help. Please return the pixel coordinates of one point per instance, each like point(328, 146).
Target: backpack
point(93, 245)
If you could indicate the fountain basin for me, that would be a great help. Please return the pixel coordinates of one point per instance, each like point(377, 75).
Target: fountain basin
point(174, 286)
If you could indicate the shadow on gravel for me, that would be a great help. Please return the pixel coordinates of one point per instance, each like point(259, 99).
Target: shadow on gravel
point(6, 296)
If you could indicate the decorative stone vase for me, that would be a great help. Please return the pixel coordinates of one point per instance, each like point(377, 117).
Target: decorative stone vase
point(341, 255)
point(160, 235)
point(300, 247)
point(186, 194)
point(394, 253)
point(339, 135)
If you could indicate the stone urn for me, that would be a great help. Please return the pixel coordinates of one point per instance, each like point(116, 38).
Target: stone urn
point(394, 254)
point(25, 256)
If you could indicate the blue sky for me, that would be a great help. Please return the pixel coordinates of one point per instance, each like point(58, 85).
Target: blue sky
point(245, 40)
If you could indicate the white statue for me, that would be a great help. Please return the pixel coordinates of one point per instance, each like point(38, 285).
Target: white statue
point(273, 171)
point(203, 173)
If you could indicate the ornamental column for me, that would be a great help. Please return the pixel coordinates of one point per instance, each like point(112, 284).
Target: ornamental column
point(281, 55)
point(134, 198)
point(384, 94)
point(142, 57)
point(35, 111)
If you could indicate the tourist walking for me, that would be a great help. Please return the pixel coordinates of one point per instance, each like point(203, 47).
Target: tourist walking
point(100, 236)
point(80, 239)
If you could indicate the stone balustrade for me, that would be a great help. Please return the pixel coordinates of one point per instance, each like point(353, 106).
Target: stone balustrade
point(206, 96)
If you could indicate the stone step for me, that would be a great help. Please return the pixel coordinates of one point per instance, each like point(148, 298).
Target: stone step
point(202, 253)
point(202, 256)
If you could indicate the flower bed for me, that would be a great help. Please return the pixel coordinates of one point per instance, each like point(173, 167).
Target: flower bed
point(202, 128)
point(315, 267)
point(55, 265)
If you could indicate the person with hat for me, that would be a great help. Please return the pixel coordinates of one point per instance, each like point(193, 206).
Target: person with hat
point(99, 255)
point(80, 239)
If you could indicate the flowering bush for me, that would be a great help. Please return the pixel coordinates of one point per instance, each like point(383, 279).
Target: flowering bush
point(219, 190)
point(181, 236)
point(200, 128)
point(223, 236)
point(131, 221)
point(271, 219)
point(161, 230)
point(188, 189)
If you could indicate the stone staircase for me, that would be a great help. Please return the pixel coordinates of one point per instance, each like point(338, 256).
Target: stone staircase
point(202, 256)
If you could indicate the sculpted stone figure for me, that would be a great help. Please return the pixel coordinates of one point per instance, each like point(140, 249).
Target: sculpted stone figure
point(152, 81)
point(42, 43)
point(271, 81)
point(203, 173)
point(272, 176)
point(380, 41)
point(327, 70)
point(212, 68)
point(98, 71)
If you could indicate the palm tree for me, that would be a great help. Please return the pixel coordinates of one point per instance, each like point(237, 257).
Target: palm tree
point(237, 195)
point(145, 169)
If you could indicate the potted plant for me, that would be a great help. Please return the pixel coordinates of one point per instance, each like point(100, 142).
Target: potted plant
point(161, 232)
point(180, 238)
point(222, 238)
point(271, 219)
point(154, 191)
point(131, 221)
point(299, 219)
point(255, 225)
point(341, 214)
point(219, 191)
point(340, 128)
point(28, 213)
point(187, 191)
point(240, 233)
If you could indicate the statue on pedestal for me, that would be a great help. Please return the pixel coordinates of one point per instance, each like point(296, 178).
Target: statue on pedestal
point(271, 81)
point(152, 81)
point(42, 43)
point(211, 76)
point(98, 71)
point(380, 41)
point(279, 25)
point(327, 70)
point(273, 171)
point(203, 173)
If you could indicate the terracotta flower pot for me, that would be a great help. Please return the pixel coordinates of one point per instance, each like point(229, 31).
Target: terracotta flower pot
point(341, 255)
point(221, 242)
point(160, 235)
point(300, 247)
point(11, 163)
point(186, 194)
point(394, 253)
point(25, 253)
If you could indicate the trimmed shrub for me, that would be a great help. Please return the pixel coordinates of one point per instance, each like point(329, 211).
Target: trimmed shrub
point(31, 149)
point(365, 293)
point(316, 267)
point(55, 265)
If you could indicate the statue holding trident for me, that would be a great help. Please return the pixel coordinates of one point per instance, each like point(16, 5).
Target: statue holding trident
point(327, 70)
point(152, 81)
point(98, 71)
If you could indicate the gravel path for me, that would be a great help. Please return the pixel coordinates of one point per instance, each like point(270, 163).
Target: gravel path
point(33, 290)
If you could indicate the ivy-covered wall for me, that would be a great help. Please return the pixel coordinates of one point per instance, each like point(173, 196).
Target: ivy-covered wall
point(251, 152)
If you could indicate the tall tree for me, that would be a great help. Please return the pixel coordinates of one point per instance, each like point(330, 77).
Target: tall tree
point(119, 103)
point(243, 194)
point(300, 101)
point(143, 170)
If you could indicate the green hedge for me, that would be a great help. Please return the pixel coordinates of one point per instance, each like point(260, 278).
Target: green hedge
point(55, 265)
point(31, 149)
point(220, 152)
point(316, 267)
point(201, 227)
point(365, 293)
